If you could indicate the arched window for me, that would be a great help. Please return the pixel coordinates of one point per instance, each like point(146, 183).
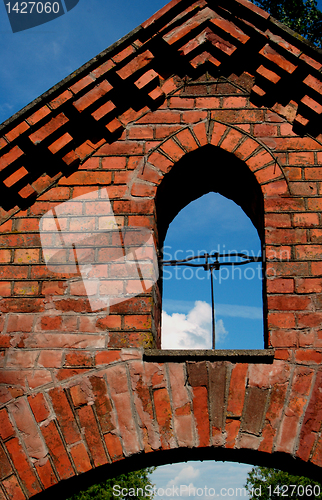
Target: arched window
point(226, 216)
point(211, 224)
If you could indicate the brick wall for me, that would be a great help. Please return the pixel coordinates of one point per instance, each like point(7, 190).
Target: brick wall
point(76, 393)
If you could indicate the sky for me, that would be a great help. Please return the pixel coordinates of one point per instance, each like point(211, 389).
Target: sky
point(34, 60)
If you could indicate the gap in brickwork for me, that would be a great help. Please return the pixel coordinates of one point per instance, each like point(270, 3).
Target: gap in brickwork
point(212, 223)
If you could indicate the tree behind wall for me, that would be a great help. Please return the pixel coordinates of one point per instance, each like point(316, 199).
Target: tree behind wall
point(264, 483)
point(302, 16)
point(130, 482)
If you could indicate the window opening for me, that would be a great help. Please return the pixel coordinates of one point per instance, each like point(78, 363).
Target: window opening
point(195, 237)
point(213, 263)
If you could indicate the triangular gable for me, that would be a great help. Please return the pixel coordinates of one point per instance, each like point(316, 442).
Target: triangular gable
point(233, 42)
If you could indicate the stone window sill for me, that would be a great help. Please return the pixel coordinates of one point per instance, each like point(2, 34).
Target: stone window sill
point(236, 355)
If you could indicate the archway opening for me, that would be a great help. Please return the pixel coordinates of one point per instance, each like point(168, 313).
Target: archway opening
point(221, 209)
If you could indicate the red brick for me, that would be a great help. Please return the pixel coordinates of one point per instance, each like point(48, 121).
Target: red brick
point(16, 131)
point(314, 204)
point(92, 435)
point(46, 474)
point(103, 406)
point(172, 150)
point(283, 338)
point(46, 130)
point(103, 68)
point(13, 489)
point(232, 429)
point(160, 116)
point(80, 458)
point(26, 474)
point(38, 115)
point(6, 428)
point(308, 252)
point(81, 84)
point(281, 320)
point(280, 285)
point(128, 51)
point(207, 102)
point(303, 188)
point(231, 140)
point(117, 380)
point(78, 359)
point(89, 178)
point(181, 102)
point(141, 132)
point(236, 116)
point(114, 446)
point(135, 64)
point(107, 357)
point(305, 220)
point(288, 302)
point(201, 133)
point(50, 359)
point(312, 173)
point(20, 323)
point(25, 288)
point(65, 416)
point(217, 133)
point(39, 407)
point(164, 417)
point(57, 450)
point(237, 390)
point(120, 148)
point(193, 116)
point(59, 100)
point(60, 143)
point(10, 157)
point(145, 190)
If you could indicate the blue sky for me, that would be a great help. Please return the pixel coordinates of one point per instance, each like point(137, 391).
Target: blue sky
point(34, 60)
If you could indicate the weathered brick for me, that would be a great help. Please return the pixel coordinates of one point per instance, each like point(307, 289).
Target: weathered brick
point(237, 390)
point(92, 435)
point(65, 416)
point(23, 467)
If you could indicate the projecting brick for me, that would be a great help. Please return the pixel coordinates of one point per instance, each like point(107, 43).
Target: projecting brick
point(17, 131)
point(81, 84)
point(58, 101)
point(10, 157)
point(45, 131)
point(103, 68)
point(38, 115)
point(93, 95)
point(137, 63)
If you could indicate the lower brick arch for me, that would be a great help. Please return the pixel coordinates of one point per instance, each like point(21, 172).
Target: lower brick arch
point(135, 413)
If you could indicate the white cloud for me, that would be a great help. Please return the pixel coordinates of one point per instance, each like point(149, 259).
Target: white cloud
point(191, 330)
point(185, 476)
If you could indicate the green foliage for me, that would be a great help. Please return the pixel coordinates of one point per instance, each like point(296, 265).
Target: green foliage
point(273, 484)
point(302, 16)
point(131, 482)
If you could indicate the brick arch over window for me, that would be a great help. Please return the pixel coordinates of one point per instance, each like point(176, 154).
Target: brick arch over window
point(247, 178)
